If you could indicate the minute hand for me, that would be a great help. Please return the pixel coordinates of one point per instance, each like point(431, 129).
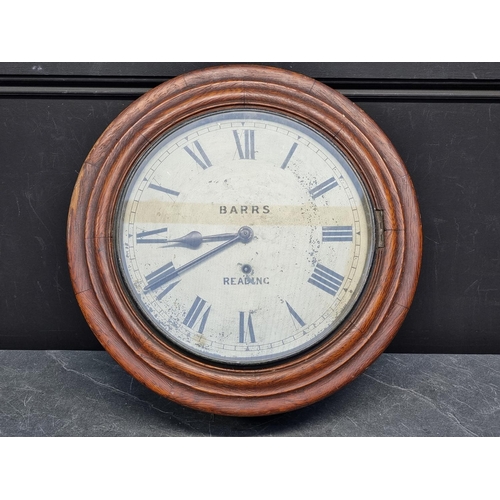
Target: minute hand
point(245, 234)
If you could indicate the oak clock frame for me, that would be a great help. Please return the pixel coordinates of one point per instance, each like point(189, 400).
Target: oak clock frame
point(231, 390)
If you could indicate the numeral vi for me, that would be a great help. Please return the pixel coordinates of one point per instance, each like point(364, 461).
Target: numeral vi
point(246, 332)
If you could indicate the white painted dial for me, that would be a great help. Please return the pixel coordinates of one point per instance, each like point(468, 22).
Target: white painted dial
point(244, 237)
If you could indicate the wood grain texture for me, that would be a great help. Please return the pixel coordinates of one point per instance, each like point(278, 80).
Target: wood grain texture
point(224, 390)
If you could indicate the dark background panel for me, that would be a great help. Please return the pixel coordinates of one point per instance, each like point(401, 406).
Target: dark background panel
point(444, 119)
point(43, 145)
point(452, 153)
point(340, 70)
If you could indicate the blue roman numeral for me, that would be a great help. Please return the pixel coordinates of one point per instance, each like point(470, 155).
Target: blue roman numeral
point(289, 155)
point(143, 237)
point(169, 287)
point(157, 278)
point(294, 314)
point(247, 150)
point(202, 160)
point(242, 332)
point(325, 279)
point(164, 190)
point(194, 313)
point(337, 233)
point(323, 187)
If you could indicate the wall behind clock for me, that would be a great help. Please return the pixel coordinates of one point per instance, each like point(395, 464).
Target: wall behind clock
point(443, 118)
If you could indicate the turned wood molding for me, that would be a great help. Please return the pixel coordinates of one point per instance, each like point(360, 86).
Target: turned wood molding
point(286, 385)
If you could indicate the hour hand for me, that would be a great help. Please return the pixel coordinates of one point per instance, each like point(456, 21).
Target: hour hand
point(168, 272)
point(194, 239)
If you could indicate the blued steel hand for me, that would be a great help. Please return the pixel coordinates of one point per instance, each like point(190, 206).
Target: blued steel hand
point(245, 234)
point(194, 239)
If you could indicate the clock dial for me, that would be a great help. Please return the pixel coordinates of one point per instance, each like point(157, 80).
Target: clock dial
point(244, 236)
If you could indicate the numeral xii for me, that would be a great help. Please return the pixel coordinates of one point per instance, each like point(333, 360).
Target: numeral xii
point(246, 151)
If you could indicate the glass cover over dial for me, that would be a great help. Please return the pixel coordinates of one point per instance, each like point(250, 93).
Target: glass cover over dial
point(244, 236)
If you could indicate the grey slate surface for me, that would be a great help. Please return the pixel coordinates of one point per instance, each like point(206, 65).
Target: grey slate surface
point(85, 393)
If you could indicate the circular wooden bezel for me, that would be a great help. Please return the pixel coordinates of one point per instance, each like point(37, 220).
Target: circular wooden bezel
point(292, 383)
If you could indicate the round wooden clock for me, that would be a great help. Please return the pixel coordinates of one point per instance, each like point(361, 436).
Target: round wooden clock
point(244, 240)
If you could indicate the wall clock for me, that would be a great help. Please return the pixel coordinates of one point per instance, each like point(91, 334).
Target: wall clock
point(244, 240)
